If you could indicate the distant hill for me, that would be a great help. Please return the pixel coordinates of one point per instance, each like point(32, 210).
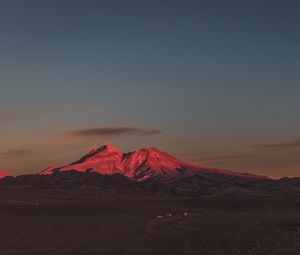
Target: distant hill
point(3, 174)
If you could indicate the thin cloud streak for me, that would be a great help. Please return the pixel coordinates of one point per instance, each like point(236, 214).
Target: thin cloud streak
point(226, 157)
point(19, 114)
point(284, 145)
point(104, 133)
point(16, 153)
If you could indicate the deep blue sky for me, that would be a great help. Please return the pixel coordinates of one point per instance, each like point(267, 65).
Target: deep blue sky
point(219, 79)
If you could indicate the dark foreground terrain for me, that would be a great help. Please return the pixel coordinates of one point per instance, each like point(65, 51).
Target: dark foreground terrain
point(86, 223)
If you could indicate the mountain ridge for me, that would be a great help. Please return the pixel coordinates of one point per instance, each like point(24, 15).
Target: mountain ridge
point(147, 171)
point(141, 165)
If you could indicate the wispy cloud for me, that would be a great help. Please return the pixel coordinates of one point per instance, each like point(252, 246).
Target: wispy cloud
point(218, 157)
point(11, 115)
point(16, 153)
point(104, 133)
point(284, 145)
point(20, 114)
point(226, 157)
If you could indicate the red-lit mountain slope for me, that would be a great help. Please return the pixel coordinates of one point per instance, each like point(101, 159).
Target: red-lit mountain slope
point(140, 165)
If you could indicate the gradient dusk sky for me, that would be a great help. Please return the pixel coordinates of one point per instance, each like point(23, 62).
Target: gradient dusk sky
point(212, 82)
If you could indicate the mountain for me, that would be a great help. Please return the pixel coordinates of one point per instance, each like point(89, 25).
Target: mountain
point(141, 165)
point(3, 174)
point(107, 170)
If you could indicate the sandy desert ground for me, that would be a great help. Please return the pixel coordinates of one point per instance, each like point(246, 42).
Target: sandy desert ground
point(68, 223)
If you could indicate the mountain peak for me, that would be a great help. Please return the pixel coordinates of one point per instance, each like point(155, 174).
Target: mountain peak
point(106, 149)
point(151, 150)
point(154, 153)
